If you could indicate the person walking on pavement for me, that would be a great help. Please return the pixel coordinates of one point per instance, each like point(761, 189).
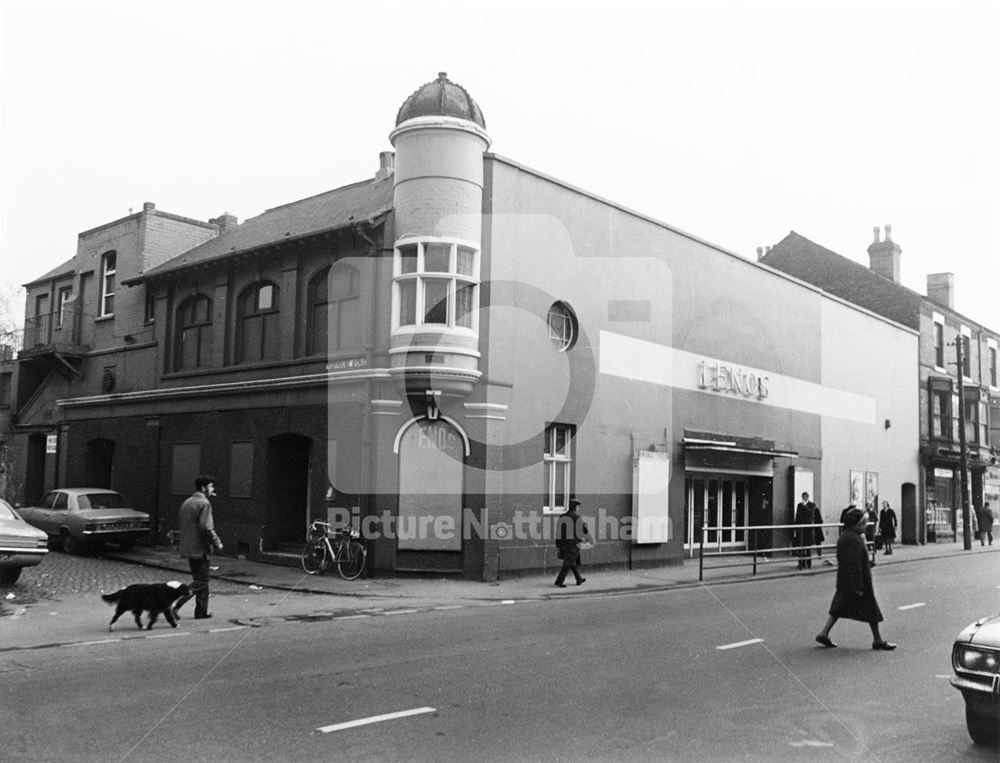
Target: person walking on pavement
point(197, 540)
point(571, 531)
point(887, 527)
point(804, 535)
point(985, 524)
point(855, 595)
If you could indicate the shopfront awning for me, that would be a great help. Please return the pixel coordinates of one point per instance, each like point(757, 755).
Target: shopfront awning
point(709, 452)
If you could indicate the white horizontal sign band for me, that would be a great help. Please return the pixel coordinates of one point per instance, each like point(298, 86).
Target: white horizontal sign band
point(640, 360)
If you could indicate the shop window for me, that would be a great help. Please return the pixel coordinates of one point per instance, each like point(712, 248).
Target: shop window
point(333, 322)
point(109, 269)
point(563, 328)
point(557, 460)
point(193, 334)
point(257, 329)
point(435, 283)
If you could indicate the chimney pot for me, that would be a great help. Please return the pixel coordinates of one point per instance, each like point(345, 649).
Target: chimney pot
point(877, 232)
point(148, 206)
point(386, 164)
point(888, 233)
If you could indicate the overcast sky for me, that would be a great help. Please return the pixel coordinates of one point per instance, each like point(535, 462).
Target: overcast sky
point(734, 121)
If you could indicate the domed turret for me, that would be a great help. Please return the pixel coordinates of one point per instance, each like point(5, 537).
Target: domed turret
point(441, 98)
point(439, 140)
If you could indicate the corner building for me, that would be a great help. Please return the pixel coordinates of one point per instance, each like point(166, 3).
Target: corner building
point(451, 350)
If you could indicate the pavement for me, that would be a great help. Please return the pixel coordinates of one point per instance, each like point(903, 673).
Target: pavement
point(429, 590)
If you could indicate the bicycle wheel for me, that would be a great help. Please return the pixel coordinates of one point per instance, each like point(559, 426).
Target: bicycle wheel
point(314, 556)
point(351, 560)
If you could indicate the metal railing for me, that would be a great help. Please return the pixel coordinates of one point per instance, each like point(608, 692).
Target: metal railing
point(754, 555)
point(57, 327)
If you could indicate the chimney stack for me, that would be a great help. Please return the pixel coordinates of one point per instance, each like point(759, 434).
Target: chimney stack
point(941, 288)
point(884, 255)
point(386, 165)
point(224, 222)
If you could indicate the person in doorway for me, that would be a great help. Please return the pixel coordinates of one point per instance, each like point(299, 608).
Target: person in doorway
point(855, 595)
point(197, 541)
point(985, 524)
point(887, 527)
point(571, 531)
point(804, 535)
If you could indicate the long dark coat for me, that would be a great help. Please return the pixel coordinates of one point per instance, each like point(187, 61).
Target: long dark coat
point(887, 524)
point(805, 514)
point(855, 596)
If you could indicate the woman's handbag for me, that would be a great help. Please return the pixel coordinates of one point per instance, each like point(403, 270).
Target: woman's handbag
point(878, 542)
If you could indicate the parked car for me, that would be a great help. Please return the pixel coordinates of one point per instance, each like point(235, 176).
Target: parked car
point(76, 518)
point(976, 660)
point(21, 545)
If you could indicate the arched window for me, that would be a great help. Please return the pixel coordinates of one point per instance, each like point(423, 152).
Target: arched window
point(334, 318)
point(193, 333)
point(257, 336)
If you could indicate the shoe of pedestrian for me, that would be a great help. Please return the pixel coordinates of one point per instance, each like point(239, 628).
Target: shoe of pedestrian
point(560, 585)
point(206, 616)
point(825, 641)
point(885, 646)
point(581, 581)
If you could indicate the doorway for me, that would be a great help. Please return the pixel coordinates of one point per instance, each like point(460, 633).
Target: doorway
point(98, 463)
point(34, 471)
point(718, 502)
point(288, 460)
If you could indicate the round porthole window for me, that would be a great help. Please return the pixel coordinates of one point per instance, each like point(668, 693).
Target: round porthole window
point(563, 329)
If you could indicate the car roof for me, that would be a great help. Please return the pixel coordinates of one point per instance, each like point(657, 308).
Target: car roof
point(79, 490)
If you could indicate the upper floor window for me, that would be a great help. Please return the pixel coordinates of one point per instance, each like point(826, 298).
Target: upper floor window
point(149, 311)
point(109, 261)
point(333, 323)
point(257, 329)
point(64, 295)
point(966, 355)
point(435, 283)
point(562, 326)
point(939, 343)
point(193, 333)
point(943, 409)
point(993, 364)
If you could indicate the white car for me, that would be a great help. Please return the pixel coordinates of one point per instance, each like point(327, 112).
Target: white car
point(21, 545)
point(976, 660)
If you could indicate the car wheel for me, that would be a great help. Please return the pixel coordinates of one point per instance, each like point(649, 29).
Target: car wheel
point(983, 729)
point(10, 575)
point(70, 545)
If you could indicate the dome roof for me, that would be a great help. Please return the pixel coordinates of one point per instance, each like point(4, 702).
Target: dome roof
point(442, 97)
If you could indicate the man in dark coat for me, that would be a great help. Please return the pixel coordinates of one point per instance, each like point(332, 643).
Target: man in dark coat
point(804, 535)
point(197, 540)
point(855, 595)
point(985, 524)
point(571, 530)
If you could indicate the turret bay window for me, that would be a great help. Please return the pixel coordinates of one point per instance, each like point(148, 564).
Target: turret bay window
point(193, 333)
point(435, 284)
point(109, 269)
point(334, 311)
point(257, 329)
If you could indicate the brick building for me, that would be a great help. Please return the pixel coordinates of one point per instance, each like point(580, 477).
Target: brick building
point(446, 352)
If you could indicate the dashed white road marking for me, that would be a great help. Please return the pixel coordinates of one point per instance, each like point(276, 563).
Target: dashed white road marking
point(375, 719)
point(224, 630)
point(811, 743)
point(738, 644)
point(169, 635)
point(448, 606)
point(90, 643)
point(401, 612)
point(942, 675)
point(911, 606)
point(508, 601)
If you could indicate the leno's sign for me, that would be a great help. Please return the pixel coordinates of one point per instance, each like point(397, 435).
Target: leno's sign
point(723, 377)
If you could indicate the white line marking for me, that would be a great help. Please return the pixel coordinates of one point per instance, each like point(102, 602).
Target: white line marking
point(401, 612)
point(375, 719)
point(223, 630)
point(740, 643)
point(448, 606)
point(89, 643)
point(508, 601)
point(942, 675)
point(351, 617)
point(811, 743)
point(168, 635)
point(911, 606)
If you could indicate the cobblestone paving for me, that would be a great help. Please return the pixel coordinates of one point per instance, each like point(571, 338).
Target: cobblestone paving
point(61, 573)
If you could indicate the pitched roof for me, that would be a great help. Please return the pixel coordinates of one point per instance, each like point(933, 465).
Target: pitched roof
point(327, 211)
point(845, 278)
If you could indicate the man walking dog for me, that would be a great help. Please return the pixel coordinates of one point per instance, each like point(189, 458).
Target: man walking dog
point(198, 538)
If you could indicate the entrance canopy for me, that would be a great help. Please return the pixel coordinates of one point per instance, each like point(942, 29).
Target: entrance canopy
point(732, 454)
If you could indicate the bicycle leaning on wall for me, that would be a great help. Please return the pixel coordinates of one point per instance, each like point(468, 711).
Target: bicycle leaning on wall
point(328, 547)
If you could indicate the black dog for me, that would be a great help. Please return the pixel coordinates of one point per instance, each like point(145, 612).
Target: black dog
point(154, 598)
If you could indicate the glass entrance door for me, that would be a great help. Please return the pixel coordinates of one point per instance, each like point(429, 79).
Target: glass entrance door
point(718, 502)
